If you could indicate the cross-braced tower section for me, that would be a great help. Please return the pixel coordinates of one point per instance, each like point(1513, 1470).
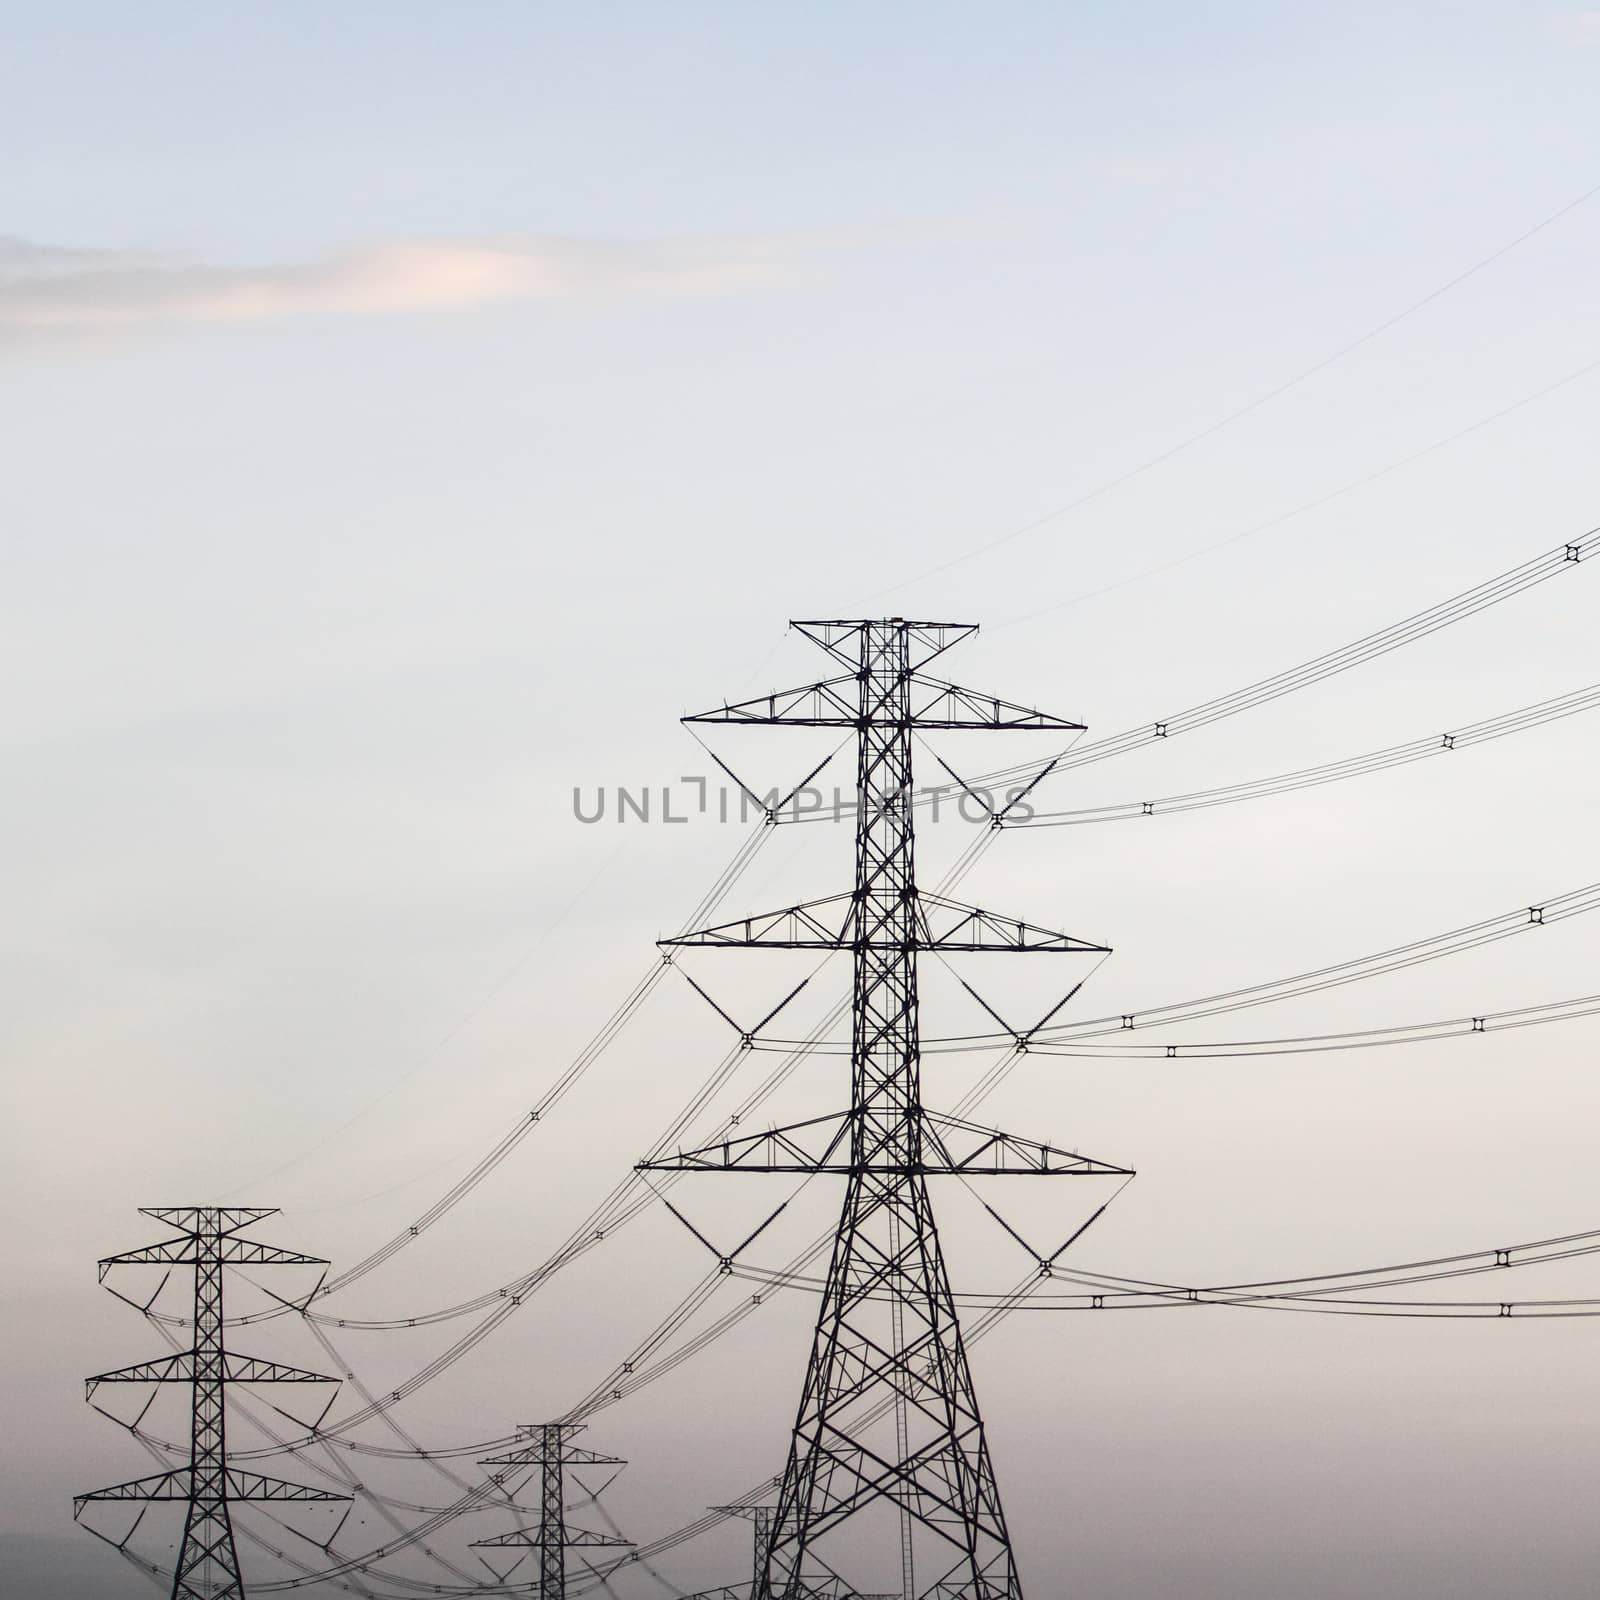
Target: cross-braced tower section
point(209, 1239)
point(888, 1416)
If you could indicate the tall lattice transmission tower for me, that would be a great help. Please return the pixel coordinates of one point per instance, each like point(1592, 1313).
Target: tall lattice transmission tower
point(548, 1457)
point(888, 1453)
point(208, 1239)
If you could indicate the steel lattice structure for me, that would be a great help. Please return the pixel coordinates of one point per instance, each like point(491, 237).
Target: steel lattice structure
point(549, 1455)
point(208, 1240)
point(823, 1585)
point(888, 1416)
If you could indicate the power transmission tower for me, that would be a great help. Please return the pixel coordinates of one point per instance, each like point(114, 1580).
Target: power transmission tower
point(827, 1586)
point(888, 1417)
point(550, 1455)
point(208, 1240)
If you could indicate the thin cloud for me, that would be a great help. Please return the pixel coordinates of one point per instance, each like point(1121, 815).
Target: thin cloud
point(1581, 25)
point(1137, 172)
point(47, 288)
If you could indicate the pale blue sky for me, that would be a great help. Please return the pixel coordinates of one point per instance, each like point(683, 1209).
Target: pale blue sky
point(409, 410)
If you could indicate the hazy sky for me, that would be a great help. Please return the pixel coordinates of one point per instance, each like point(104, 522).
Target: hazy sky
point(411, 410)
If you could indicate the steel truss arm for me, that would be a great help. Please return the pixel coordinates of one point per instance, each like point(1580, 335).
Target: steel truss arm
point(178, 1485)
point(180, 1368)
point(571, 1456)
point(186, 1251)
point(532, 1539)
point(835, 923)
point(822, 1144)
point(924, 640)
point(932, 704)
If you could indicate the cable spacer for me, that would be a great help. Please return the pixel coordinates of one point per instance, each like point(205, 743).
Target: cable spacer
point(1477, 1025)
point(1161, 730)
point(1502, 1258)
point(1449, 742)
point(1127, 1018)
point(1572, 552)
point(1536, 914)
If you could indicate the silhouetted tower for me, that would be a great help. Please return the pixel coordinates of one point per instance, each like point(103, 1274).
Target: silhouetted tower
point(822, 1585)
point(888, 1415)
point(208, 1240)
point(549, 1455)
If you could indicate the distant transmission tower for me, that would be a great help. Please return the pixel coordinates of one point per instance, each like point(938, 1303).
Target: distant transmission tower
point(549, 1455)
point(208, 1240)
point(888, 1420)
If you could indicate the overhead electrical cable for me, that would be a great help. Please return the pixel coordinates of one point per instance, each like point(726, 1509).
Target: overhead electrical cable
point(1352, 1039)
point(1350, 486)
point(1108, 1291)
point(552, 1096)
point(1559, 559)
point(1538, 569)
point(1263, 399)
point(1421, 749)
point(1454, 941)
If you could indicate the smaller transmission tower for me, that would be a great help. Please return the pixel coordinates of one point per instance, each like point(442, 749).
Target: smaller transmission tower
point(208, 1240)
point(549, 1455)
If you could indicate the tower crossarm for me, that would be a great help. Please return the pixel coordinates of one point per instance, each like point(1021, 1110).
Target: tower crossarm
point(177, 1368)
point(968, 1149)
point(820, 1144)
point(252, 1369)
point(200, 1219)
point(571, 1456)
point(178, 1485)
point(180, 1368)
point(949, 925)
point(932, 704)
point(172, 1485)
point(532, 1539)
point(951, 1148)
point(190, 1250)
point(252, 1486)
point(843, 640)
point(825, 924)
point(829, 703)
point(936, 704)
point(836, 923)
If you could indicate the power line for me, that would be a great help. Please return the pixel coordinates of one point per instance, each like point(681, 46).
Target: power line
point(1231, 417)
point(1331, 663)
point(1395, 755)
point(1315, 504)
